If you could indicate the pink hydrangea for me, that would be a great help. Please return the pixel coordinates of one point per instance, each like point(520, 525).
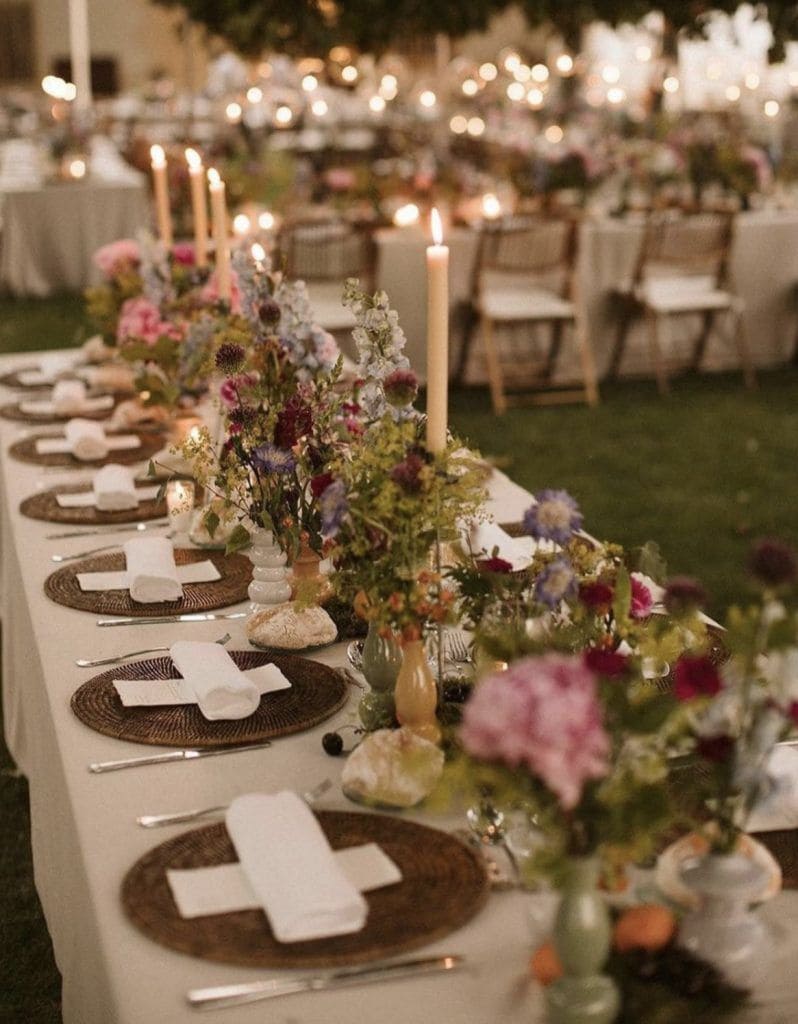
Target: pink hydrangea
point(210, 293)
point(116, 256)
point(139, 318)
point(543, 715)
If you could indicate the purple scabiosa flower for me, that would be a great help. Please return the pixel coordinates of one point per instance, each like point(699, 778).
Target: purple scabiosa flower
point(555, 516)
point(556, 583)
point(270, 459)
point(333, 507)
point(230, 358)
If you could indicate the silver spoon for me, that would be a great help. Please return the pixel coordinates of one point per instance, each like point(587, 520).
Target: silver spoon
point(92, 663)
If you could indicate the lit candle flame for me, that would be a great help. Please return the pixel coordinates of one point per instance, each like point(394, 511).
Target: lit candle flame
point(258, 252)
point(157, 155)
point(193, 159)
point(213, 177)
point(491, 207)
point(437, 227)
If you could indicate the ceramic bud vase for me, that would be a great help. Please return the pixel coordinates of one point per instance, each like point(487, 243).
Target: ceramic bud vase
point(381, 662)
point(269, 584)
point(416, 693)
point(582, 934)
point(722, 928)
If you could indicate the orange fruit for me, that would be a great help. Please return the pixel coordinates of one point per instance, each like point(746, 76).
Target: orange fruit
point(545, 965)
point(650, 926)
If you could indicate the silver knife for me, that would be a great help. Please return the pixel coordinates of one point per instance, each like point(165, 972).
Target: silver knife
point(249, 992)
point(97, 767)
point(102, 532)
point(156, 620)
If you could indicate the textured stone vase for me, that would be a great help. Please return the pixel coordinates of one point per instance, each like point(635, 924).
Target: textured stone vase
point(416, 694)
point(582, 934)
point(269, 584)
point(723, 929)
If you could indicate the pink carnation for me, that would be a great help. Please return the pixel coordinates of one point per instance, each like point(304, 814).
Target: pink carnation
point(544, 715)
point(141, 319)
point(642, 601)
point(116, 256)
point(210, 293)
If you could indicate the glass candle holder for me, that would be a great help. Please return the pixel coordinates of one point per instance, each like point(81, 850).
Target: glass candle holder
point(180, 503)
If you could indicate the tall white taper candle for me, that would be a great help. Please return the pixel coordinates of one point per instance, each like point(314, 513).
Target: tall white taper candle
point(199, 205)
point(437, 337)
point(161, 184)
point(221, 241)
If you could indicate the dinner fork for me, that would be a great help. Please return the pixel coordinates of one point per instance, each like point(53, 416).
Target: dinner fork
point(178, 817)
point(92, 663)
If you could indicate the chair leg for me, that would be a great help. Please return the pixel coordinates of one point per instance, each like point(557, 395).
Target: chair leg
point(495, 378)
point(624, 323)
point(655, 347)
point(471, 320)
point(743, 352)
point(588, 361)
point(554, 350)
point(702, 339)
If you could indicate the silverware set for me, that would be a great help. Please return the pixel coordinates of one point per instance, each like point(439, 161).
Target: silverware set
point(158, 620)
point(188, 754)
point(96, 551)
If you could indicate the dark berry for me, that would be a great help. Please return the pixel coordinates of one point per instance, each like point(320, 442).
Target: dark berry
point(332, 743)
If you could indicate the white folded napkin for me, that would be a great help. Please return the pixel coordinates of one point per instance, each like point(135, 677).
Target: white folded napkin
point(47, 407)
point(151, 570)
point(517, 551)
point(50, 366)
point(114, 488)
point(110, 377)
point(194, 572)
point(225, 888)
point(86, 440)
point(219, 686)
point(87, 499)
point(66, 446)
point(152, 693)
point(68, 396)
point(779, 808)
point(291, 868)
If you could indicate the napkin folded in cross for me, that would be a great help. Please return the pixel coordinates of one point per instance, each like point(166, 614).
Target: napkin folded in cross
point(68, 398)
point(50, 366)
point(517, 551)
point(213, 694)
point(151, 570)
point(778, 809)
point(87, 441)
point(219, 686)
point(109, 492)
point(225, 888)
point(194, 572)
point(291, 868)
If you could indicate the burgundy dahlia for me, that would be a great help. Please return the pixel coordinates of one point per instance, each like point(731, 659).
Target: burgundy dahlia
point(320, 483)
point(597, 595)
point(695, 676)
point(494, 565)
point(715, 748)
point(609, 664)
point(294, 420)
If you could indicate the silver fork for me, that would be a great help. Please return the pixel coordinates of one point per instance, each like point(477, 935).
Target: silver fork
point(92, 663)
point(178, 817)
point(96, 551)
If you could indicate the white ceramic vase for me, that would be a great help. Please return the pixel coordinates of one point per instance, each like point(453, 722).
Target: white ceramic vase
point(269, 584)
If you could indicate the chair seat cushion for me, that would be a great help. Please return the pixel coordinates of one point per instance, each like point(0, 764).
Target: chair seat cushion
point(516, 304)
point(680, 294)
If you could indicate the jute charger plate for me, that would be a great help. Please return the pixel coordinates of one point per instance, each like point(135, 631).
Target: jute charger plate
point(443, 885)
point(45, 506)
point(316, 692)
point(14, 411)
point(236, 573)
point(12, 380)
point(25, 451)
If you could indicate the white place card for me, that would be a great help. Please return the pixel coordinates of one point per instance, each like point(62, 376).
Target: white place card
point(153, 693)
point(194, 572)
point(224, 889)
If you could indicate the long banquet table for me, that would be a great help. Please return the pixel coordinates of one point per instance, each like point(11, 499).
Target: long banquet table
point(84, 835)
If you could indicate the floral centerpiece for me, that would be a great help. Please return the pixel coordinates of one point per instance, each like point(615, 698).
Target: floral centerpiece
point(120, 265)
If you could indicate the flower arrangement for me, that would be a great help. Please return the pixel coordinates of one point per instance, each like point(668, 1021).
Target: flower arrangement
point(119, 263)
point(740, 709)
point(388, 499)
point(282, 418)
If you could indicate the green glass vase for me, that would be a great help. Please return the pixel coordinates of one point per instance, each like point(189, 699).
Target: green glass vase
point(582, 935)
point(382, 659)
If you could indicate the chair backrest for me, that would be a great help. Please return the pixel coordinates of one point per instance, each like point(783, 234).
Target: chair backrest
point(326, 250)
point(696, 244)
point(528, 246)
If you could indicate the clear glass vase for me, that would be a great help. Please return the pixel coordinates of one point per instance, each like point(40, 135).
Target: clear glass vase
point(380, 664)
point(582, 934)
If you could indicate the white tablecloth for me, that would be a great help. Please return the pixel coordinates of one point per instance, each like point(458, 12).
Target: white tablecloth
point(764, 271)
point(84, 835)
point(50, 234)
